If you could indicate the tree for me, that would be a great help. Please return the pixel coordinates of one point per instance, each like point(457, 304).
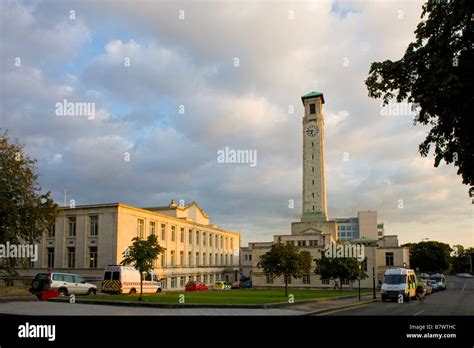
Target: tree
point(25, 213)
point(461, 259)
point(430, 256)
point(141, 255)
point(344, 268)
point(436, 75)
point(286, 260)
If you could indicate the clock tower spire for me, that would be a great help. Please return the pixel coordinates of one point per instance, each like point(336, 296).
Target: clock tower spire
point(314, 181)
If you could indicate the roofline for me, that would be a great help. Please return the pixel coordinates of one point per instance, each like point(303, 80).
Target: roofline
point(104, 205)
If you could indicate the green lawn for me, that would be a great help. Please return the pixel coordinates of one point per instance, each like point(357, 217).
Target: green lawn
point(248, 296)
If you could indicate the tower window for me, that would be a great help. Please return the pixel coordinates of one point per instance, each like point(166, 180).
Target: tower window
point(313, 182)
point(312, 144)
point(312, 109)
point(312, 168)
point(312, 156)
point(313, 194)
point(313, 207)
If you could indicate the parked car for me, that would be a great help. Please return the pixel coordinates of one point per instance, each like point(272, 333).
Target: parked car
point(441, 279)
point(195, 285)
point(65, 283)
point(221, 285)
point(434, 285)
point(246, 284)
point(464, 275)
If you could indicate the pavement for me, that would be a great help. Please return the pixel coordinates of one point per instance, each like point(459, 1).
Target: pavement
point(458, 299)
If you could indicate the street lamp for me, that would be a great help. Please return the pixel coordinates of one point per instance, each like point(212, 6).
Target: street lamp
point(360, 266)
point(373, 281)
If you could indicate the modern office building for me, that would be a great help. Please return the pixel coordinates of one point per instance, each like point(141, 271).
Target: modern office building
point(364, 225)
point(85, 239)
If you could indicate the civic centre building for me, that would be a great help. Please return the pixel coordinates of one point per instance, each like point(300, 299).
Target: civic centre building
point(85, 239)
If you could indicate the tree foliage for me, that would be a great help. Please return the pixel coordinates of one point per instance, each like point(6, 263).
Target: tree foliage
point(285, 260)
point(25, 213)
point(141, 255)
point(436, 74)
point(344, 268)
point(461, 259)
point(430, 257)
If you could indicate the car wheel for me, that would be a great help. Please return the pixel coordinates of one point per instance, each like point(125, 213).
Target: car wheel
point(62, 292)
point(39, 296)
point(35, 285)
point(91, 292)
point(407, 298)
point(133, 291)
point(158, 290)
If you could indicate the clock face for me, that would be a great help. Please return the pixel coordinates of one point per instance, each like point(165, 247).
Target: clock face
point(312, 130)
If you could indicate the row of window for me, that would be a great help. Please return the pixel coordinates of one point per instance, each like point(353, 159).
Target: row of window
point(303, 243)
point(248, 257)
point(348, 228)
point(201, 259)
point(71, 257)
point(72, 223)
point(193, 236)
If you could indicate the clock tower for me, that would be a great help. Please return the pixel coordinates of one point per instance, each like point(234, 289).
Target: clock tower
point(314, 218)
point(314, 181)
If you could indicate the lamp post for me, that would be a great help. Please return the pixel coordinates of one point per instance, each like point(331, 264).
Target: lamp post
point(373, 282)
point(360, 266)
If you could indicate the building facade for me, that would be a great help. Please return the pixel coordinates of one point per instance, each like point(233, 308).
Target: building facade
point(85, 239)
point(364, 225)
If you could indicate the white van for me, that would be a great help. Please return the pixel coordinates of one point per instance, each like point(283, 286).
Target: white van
point(126, 280)
point(398, 281)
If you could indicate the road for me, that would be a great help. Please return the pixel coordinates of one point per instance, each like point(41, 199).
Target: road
point(458, 299)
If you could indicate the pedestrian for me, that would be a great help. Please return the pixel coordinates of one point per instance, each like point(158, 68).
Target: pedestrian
point(336, 284)
point(420, 291)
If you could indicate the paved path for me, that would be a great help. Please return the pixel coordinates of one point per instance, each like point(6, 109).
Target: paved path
point(50, 308)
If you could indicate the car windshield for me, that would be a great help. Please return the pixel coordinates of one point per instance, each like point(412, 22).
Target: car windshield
point(394, 279)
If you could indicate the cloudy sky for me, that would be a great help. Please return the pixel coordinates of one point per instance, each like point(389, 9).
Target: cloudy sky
point(174, 82)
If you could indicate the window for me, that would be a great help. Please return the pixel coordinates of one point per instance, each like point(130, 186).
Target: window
point(215, 260)
point(58, 277)
point(164, 283)
point(204, 279)
point(288, 278)
point(181, 282)
point(163, 259)
point(389, 259)
point(52, 231)
point(217, 245)
point(211, 278)
point(325, 281)
point(226, 243)
point(312, 169)
point(93, 257)
point(343, 228)
point(50, 257)
point(210, 240)
point(190, 258)
point(140, 227)
point(222, 260)
point(197, 259)
point(181, 258)
point(231, 259)
point(190, 237)
point(71, 257)
point(301, 243)
point(269, 280)
point(204, 263)
point(181, 238)
point(313, 194)
point(173, 258)
point(197, 237)
point(290, 242)
point(94, 225)
point(210, 259)
point(163, 231)
point(204, 238)
point(222, 242)
point(364, 265)
point(246, 257)
point(226, 259)
point(152, 227)
point(232, 243)
point(72, 226)
point(68, 278)
point(312, 109)
point(306, 279)
point(173, 233)
point(250, 257)
point(173, 283)
point(78, 279)
point(313, 242)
